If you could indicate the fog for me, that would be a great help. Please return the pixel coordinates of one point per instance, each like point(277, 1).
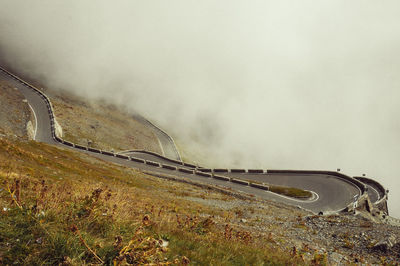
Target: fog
point(271, 84)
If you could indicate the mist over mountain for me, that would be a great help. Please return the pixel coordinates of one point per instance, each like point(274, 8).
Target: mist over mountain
point(271, 84)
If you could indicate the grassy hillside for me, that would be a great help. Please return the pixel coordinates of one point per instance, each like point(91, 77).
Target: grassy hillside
point(63, 207)
point(59, 206)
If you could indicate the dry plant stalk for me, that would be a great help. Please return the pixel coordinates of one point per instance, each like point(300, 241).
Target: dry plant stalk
point(40, 200)
point(228, 232)
point(15, 193)
point(75, 230)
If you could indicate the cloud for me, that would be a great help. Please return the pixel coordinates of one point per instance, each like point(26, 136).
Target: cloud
point(272, 84)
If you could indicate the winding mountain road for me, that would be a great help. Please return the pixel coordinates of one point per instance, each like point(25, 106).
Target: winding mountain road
point(333, 192)
point(167, 144)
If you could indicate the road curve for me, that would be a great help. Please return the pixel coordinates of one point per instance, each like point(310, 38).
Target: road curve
point(333, 192)
point(167, 143)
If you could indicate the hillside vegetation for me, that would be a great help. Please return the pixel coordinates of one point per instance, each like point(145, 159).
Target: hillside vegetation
point(62, 207)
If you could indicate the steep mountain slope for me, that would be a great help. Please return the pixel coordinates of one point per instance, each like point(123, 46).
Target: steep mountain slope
point(56, 204)
point(62, 206)
point(14, 112)
point(104, 125)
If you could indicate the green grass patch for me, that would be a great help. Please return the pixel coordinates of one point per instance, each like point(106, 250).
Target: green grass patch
point(291, 192)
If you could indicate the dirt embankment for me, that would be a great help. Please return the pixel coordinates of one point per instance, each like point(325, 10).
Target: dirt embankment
point(15, 113)
point(103, 125)
point(100, 125)
point(96, 123)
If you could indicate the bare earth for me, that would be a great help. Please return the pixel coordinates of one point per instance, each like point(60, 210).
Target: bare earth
point(14, 113)
point(100, 125)
point(106, 126)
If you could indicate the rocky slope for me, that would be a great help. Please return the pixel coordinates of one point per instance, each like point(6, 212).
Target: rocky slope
point(96, 123)
point(16, 118)
point(101, 125)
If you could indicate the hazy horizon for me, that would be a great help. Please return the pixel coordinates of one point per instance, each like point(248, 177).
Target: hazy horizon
point(271, 84)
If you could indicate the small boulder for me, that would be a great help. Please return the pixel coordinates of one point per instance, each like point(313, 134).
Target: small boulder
point(386, 244)
point(335, 258)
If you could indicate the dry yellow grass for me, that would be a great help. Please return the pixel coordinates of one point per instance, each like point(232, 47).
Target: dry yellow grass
point(76, 209)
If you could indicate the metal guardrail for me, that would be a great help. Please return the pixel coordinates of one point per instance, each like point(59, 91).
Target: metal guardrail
point(205, 172)
point(159, 156)
point(383, 193)
point(220, 177)
point(260, 186)
point(202, 174)
point(255, 171)
point(239, 181)
point(238, 171)
point(381, 190)
point(60, 140)
point(169, 167)
point(138, 160)
point(220, 170)
point(122, 156)
point(165, 134)
point(152, 163)
point(184, 170)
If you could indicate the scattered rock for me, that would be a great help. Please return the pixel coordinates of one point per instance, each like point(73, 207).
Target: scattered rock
point(14, 115)
point(385, 245)
point(164, 243)
point(335, 258)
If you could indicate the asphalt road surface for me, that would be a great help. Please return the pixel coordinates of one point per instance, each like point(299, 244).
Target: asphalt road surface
point(331, 193)
point(167, 144)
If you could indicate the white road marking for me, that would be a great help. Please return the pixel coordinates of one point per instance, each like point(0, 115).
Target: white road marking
point(314, 197)
point(377, 193)
point(161, 146)
point(36, 122)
